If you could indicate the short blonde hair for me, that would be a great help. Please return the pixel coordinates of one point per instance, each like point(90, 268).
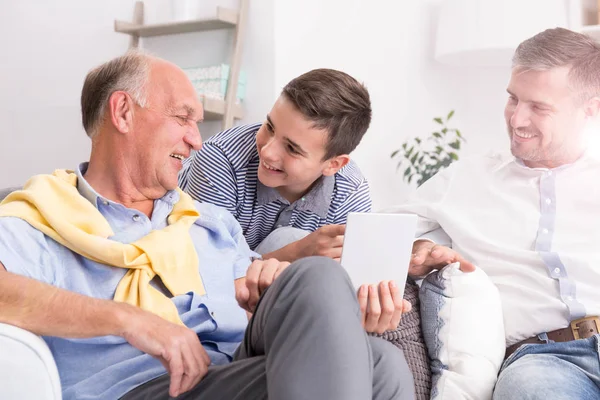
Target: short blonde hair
point(559, 47)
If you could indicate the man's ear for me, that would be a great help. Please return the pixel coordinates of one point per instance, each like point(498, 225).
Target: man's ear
point(592, 108)
point(334, 164)
point(120, 107)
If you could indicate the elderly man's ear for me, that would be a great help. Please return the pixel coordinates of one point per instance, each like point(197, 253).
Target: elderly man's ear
point(120, 106)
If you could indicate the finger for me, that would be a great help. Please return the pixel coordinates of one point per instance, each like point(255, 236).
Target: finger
point(363, 298)
point(337, 241)
point(373, 309)
point(282, 266)
point(466, 266)
point(406, 306)
point(387, 307)
point(398, 304)
point(421, 254)
point(191, 371)
point(333, 230)
point(176, 371)
point(252, 276)
point(267, 274)
point(335, 252)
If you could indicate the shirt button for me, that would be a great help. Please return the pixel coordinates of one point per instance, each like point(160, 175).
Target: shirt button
point(212, 313)
point(545, 231)
point(136, 218)
point(303, 199)
point(557, 271)
point(105, 202)
point(548, 201)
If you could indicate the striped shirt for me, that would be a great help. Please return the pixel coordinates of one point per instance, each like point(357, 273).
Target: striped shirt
point(225, 172)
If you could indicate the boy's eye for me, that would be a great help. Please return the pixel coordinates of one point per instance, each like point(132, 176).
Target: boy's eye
point(269, 128)
point(292, 150)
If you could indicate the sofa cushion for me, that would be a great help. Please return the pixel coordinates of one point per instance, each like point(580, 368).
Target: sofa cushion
point(463, 328)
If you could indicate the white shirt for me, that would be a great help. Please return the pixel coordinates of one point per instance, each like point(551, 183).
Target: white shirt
point(534, 231)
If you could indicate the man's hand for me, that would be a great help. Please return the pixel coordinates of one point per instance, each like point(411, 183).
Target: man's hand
point(427, 256)
point(177, 347)
point(259, 277)
point(326, 241)
point(381, 306)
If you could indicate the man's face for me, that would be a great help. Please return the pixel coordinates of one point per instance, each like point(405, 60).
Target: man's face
point(291, 151)
point(545, 123)
point(166, 130)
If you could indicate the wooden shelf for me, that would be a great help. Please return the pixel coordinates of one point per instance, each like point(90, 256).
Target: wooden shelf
point(592, 30)
point(214, 109)
point(226, 19)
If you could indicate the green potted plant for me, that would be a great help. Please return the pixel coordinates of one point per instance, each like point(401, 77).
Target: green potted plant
point(423, 159)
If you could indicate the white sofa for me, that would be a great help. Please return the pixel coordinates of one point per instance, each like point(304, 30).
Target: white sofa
point(27, 368)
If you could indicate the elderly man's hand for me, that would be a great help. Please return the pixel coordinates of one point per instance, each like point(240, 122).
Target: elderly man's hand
point(381, 306)
point(259, 277)
point(428, 256)
point(176, 346)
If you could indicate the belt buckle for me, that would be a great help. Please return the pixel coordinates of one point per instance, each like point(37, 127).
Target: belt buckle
point(575, 326)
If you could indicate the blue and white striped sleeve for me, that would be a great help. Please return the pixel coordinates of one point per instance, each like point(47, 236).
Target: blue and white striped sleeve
point(210, 178)
point(358, 200)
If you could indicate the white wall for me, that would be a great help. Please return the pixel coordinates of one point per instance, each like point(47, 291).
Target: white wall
point(47, 47)
point(388, 45)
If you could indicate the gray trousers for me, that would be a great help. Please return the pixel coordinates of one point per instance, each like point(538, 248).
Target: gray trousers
point(305, 341)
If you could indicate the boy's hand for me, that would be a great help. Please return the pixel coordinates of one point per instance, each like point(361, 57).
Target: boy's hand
point(326, 241)
point(381, 306)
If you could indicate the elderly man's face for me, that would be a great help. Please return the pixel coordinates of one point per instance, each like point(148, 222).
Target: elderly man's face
point(166, 130)
point(544, 118)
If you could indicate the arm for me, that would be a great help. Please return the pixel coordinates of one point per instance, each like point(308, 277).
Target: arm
point(40, 308)
point(326, 241)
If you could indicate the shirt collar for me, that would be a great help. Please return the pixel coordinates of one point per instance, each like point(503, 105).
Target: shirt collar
point(87, 191)
point(317, 200)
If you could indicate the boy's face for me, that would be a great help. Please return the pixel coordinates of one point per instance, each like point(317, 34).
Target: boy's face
point(291, 152)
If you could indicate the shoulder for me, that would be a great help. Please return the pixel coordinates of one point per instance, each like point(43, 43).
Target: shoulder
point(350, 177)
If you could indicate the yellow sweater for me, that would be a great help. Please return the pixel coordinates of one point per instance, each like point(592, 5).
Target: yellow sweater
point(52, 205)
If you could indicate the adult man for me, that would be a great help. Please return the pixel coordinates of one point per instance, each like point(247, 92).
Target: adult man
point(134, 285)
point(530, 222)
point(291, 179)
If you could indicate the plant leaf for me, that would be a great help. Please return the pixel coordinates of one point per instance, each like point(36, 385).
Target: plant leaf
point(414, 158)
point(404, 146)
point(453, 156)
point(458, 134)
point(394, 153)
point(407, 171)
point(439, 121)
point(418, 140)
point(437, 135)
point(454, 145)
point(450, 114)
point(444, 131)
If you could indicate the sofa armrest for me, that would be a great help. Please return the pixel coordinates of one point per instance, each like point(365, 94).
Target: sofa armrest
point(27, 368)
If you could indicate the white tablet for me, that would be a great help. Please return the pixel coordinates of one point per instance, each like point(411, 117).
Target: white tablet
point(377, 247)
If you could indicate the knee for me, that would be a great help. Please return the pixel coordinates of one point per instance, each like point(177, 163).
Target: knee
point(531, 377)
point(321, 279)
point(391, 373)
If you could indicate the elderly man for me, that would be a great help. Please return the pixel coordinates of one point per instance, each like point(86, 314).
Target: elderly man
point(531, 221)
point(133, 285)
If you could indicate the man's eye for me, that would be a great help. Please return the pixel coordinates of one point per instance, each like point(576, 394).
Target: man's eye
point(183, 118)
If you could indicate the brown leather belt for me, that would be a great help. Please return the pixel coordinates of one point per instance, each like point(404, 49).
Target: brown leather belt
point(579, 329)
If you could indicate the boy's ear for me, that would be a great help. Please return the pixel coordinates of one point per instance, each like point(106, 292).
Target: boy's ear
point(334, 164)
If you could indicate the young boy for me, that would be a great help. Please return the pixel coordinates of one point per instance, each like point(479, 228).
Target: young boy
point(290, 181)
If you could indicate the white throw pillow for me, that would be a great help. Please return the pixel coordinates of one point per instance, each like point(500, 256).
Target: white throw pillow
point(461, 318)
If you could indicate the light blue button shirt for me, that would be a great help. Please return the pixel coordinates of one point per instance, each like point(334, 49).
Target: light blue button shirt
point(108, 367)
